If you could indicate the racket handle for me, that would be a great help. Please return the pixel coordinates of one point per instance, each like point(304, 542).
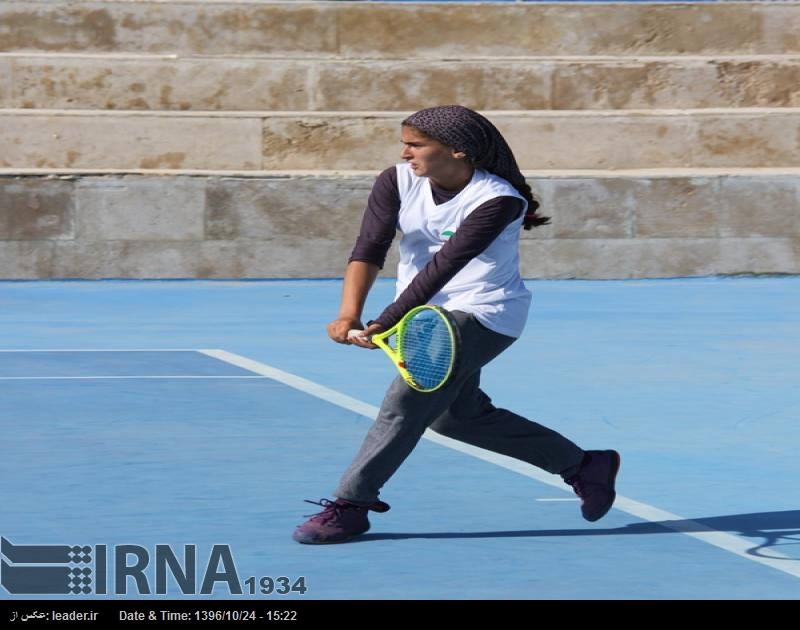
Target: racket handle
point(355, 332)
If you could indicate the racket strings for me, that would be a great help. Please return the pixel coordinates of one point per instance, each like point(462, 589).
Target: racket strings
point(426, 346)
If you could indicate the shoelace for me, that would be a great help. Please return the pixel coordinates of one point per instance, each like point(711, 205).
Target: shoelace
point(332, 508)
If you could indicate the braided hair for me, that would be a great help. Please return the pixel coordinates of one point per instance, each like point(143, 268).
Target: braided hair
point(468, 131)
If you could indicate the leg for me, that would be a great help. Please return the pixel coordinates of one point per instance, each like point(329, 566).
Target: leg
point(460, 410)
point(406, 413)
point(403, 418)
point(473, 419)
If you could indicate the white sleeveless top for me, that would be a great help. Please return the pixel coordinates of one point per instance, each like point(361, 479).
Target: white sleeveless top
point(489, 286)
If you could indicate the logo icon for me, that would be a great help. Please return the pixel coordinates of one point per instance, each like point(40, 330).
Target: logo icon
point(45, 569)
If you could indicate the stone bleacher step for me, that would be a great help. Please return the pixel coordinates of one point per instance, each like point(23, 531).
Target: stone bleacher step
point(394, 30)
point(590, 139)
point(226, 225)
point(235, 83)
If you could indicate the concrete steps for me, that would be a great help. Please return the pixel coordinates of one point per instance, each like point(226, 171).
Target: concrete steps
point(239, 138)
point(545, 139)
point(236, 83)
point(375, 30)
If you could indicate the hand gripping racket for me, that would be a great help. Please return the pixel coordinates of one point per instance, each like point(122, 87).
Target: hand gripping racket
point(423, 346)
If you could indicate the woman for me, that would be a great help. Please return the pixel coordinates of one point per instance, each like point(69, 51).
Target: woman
point(460, 201)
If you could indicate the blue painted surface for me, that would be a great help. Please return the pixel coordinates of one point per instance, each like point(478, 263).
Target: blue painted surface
point(693, 381)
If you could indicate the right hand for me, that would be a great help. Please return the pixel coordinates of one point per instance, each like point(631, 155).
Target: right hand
point(338, 329)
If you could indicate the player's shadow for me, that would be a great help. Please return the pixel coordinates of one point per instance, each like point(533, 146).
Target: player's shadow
point(772, 528)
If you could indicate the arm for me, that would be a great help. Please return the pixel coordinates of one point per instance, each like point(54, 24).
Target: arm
point(359, 276)
point(378, 228)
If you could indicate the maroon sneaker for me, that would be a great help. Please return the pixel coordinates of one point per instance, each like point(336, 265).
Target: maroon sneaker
point(594, 483)
point(338, 522)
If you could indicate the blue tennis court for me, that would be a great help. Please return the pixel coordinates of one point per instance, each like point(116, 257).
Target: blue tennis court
point(198, 415)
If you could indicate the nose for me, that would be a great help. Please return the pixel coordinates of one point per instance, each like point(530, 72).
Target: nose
point(405, 152)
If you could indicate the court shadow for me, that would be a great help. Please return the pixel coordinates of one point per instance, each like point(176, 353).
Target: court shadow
point(772, 528)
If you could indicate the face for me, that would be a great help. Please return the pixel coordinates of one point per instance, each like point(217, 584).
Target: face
point(430, 158)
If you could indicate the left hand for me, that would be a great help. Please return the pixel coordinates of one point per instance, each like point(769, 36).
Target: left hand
point(362, 340)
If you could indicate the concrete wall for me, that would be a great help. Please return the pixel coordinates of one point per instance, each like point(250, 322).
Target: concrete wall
point(204, 226)
point(224, 139)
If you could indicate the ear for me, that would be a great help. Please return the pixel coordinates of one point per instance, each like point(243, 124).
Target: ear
point(459, 155)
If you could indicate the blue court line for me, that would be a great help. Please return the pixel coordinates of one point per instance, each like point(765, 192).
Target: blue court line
point(728, 542)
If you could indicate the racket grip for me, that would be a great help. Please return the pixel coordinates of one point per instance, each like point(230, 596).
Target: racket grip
point(355, 332)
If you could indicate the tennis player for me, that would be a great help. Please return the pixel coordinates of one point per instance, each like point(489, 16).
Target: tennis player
point(460, 201)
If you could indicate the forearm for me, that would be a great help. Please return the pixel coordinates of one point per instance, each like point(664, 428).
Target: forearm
point(359, 276)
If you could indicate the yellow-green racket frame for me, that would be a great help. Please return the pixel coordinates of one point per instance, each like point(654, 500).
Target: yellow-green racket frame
point(382, 340)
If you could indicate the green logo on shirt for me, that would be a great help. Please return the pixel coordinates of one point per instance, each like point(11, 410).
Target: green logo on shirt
point(447, 233)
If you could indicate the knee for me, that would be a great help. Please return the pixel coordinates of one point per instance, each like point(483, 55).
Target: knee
point(446, 424)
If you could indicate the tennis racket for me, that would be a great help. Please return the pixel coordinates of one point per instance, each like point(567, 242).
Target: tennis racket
point(423, 346)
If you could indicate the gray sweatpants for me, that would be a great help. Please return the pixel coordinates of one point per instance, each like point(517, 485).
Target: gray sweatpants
point(460, 410)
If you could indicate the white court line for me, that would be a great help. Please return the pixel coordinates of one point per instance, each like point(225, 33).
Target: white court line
point(129, 376)
point(297, 382)
point(728, 542)
point(32, 350)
